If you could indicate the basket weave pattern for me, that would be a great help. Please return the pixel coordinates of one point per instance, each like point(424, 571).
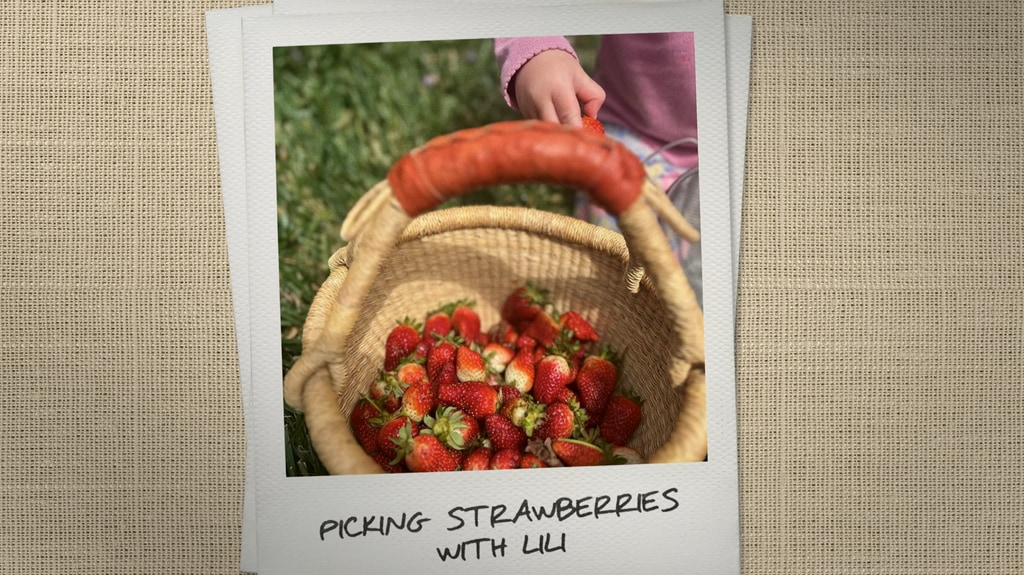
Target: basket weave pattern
point(483, 254)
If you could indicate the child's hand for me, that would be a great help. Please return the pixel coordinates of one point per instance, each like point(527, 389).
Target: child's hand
point(553, 85)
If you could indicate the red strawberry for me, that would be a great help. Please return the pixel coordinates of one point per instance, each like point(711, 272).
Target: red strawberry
point(506, 459)
point(577, 452)
point(363, 424)
point(576, 360)
point(411, 373)
point(596, 381)
point(553, 374)
point(520, 371)
point(517, 409)
point(531, 461)
point(544, 329)
point(419, 400)
point(426, 453)
point(558, 420)
point(593, 125)
point(508, 393)
point(504, 334)
point(469, 365)
point(438, 323)
point(474, 397)
point(401, 342)
point(386, 465)
point(523, 305)
point(496, 357)
point(389, 432)
point(567, 396)
point(526, 342)
point(453, 427)
point(441, 367)
point(503, 433)
point(581, 329)
point(538, 353)
point(423, 347)
point(386, 391)
point(621, 418)
point(478, 460)
point(465, 321)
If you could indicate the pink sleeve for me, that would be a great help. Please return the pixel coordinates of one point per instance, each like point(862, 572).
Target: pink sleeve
point(512, 53)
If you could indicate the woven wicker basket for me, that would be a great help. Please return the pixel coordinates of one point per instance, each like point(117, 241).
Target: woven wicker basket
point(403, 259)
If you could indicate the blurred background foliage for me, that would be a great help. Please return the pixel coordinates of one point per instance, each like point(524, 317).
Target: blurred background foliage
point(343, 115)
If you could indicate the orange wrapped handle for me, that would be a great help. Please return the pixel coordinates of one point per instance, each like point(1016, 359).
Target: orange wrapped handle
point(517, 152)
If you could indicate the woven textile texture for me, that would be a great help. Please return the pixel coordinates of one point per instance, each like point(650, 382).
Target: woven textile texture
point(880, 327)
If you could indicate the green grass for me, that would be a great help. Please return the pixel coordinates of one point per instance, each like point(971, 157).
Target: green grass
point(343, 115)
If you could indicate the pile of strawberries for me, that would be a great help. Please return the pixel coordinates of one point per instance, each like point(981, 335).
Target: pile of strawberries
point(534, 391)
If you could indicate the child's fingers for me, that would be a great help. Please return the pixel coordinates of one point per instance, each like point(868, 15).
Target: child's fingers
point(567, 108)
point(591, 96)
point(544, 110)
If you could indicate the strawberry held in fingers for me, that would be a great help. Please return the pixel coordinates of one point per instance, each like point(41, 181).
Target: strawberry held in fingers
point(621, 418)
point(593, 125)
point(401, 341)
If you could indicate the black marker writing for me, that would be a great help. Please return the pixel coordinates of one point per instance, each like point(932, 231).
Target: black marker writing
point(372, 524)
point(495, 546)
point(543, 545)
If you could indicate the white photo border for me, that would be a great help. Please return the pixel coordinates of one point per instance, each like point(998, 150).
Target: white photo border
point(703, 534)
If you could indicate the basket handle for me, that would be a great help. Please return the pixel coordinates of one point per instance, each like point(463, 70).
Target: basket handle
point(509, 152)
point(516, 152)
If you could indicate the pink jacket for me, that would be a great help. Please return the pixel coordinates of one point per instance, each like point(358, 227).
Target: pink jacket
point(648, 81)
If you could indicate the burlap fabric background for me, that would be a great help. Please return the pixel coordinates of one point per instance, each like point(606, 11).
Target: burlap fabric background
point(880, 333)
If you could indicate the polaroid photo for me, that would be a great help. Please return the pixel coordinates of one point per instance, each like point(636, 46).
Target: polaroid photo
point(316, 523)
point(225, 44)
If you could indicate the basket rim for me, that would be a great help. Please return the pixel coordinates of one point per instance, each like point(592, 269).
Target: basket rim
point(515, 218)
